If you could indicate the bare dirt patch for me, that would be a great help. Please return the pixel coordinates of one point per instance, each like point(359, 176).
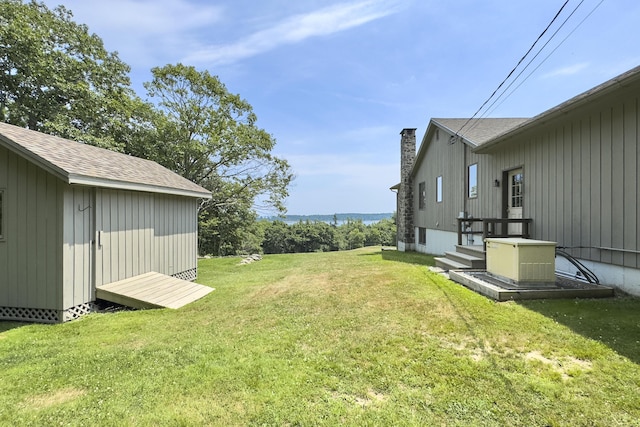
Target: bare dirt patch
point(320, 282)
point(57, 397)
point(370, 399)
point(566, 366)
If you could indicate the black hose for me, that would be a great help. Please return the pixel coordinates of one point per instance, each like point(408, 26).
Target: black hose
point(588, 274)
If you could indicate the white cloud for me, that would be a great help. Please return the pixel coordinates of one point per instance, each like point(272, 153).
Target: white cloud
point(567, 71)
point(341, 183)
point(144, 17)
point(297, 28)
point(144, 32)
point(367, 134)
point(348, 166)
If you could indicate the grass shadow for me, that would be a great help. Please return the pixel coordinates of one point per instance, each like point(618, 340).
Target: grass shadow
point(9, 324)
point(408, 257)
point(613, 321)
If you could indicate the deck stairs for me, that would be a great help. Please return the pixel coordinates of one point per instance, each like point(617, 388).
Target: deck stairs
point(464, 258)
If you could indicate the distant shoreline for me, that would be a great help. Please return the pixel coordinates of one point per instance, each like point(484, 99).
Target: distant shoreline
point(339, 217)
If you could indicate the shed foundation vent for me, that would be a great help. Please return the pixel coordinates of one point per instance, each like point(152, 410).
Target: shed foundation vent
point(45, 315)
point(78, 311)
point(188, 275)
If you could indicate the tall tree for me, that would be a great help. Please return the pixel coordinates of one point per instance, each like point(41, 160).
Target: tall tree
point(210, 136)
point(58, 78)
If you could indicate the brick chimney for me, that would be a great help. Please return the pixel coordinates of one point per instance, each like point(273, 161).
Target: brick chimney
point(406, 233)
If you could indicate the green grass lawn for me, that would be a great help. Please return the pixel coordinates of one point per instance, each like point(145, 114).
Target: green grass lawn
point(365, 337)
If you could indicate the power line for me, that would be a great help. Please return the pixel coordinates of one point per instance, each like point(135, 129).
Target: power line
point(514, 68)
point(489, 110)
point(546, 57)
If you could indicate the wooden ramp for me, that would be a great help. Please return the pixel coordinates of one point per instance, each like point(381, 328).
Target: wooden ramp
point(152, 290)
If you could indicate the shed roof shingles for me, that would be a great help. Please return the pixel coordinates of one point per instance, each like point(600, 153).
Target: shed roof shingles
point(74, 160)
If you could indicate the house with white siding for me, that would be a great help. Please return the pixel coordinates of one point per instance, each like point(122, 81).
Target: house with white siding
point(75, 218)
point(569, 175)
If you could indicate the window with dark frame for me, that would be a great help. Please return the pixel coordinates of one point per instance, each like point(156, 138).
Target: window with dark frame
point(439, 189)
point(422, 236)
point(422, 195)
point(472, 181)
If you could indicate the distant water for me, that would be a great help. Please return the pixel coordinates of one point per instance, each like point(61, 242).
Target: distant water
point(339, 222)
point(339, 219)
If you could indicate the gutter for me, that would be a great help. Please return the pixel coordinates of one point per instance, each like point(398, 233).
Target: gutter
point(131, 186)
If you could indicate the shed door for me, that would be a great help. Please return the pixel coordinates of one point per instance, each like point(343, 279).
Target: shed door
point(515, 199)
point(79, 238)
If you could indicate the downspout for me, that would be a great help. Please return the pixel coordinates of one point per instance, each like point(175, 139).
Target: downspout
point(464, 180)
point(465, 192)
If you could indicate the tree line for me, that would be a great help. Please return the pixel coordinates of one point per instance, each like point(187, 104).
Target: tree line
point(278, 237)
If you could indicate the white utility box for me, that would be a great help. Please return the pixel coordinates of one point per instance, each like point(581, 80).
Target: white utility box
point(522, 261)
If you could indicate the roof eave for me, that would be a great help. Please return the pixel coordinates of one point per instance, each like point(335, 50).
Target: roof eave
point(426, 141)
point(454, 134)
point(122, 185)
point(34, 158)
point(605, 88)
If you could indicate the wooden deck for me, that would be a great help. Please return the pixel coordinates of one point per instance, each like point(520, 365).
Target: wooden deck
point(152, 290)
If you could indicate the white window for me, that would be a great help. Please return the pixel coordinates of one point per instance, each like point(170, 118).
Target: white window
point(439, 189)
point(472, 181)
point(516, 190)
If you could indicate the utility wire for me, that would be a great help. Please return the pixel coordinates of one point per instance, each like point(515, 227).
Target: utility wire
point(546, 57)
point(489, 110)
point(514, 68)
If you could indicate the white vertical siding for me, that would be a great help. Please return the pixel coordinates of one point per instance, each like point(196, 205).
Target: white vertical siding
point(630, 181)
point(176, 234)
point(581, 183)
point(446, 160)
point(143, 232)
point(48, 258)
point(30, 270)
point(581, 179)
point(77, 249)
point(124, 222)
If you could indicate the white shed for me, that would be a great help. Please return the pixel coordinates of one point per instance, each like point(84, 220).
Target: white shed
point(74, 218)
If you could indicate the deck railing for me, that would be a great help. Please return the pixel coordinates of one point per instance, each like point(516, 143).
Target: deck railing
point(490, 228)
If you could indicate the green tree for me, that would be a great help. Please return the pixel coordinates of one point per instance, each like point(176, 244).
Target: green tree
point(228, 230)
point(382, 233)
point(351, 234)
point(355, 239)
point(277, 235)
point(312, 236)
point(210, 137)
point(58, 78)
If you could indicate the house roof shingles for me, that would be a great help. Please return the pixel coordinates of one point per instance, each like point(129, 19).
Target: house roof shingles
point(479, 131)
point(475, 132)
point(78, 163)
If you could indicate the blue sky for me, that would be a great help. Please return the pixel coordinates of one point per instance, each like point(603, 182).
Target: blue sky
point(336, 81)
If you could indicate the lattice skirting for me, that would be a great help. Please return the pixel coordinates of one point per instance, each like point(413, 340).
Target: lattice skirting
point(189, 275)
point(78, 311)
point(45, 315)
